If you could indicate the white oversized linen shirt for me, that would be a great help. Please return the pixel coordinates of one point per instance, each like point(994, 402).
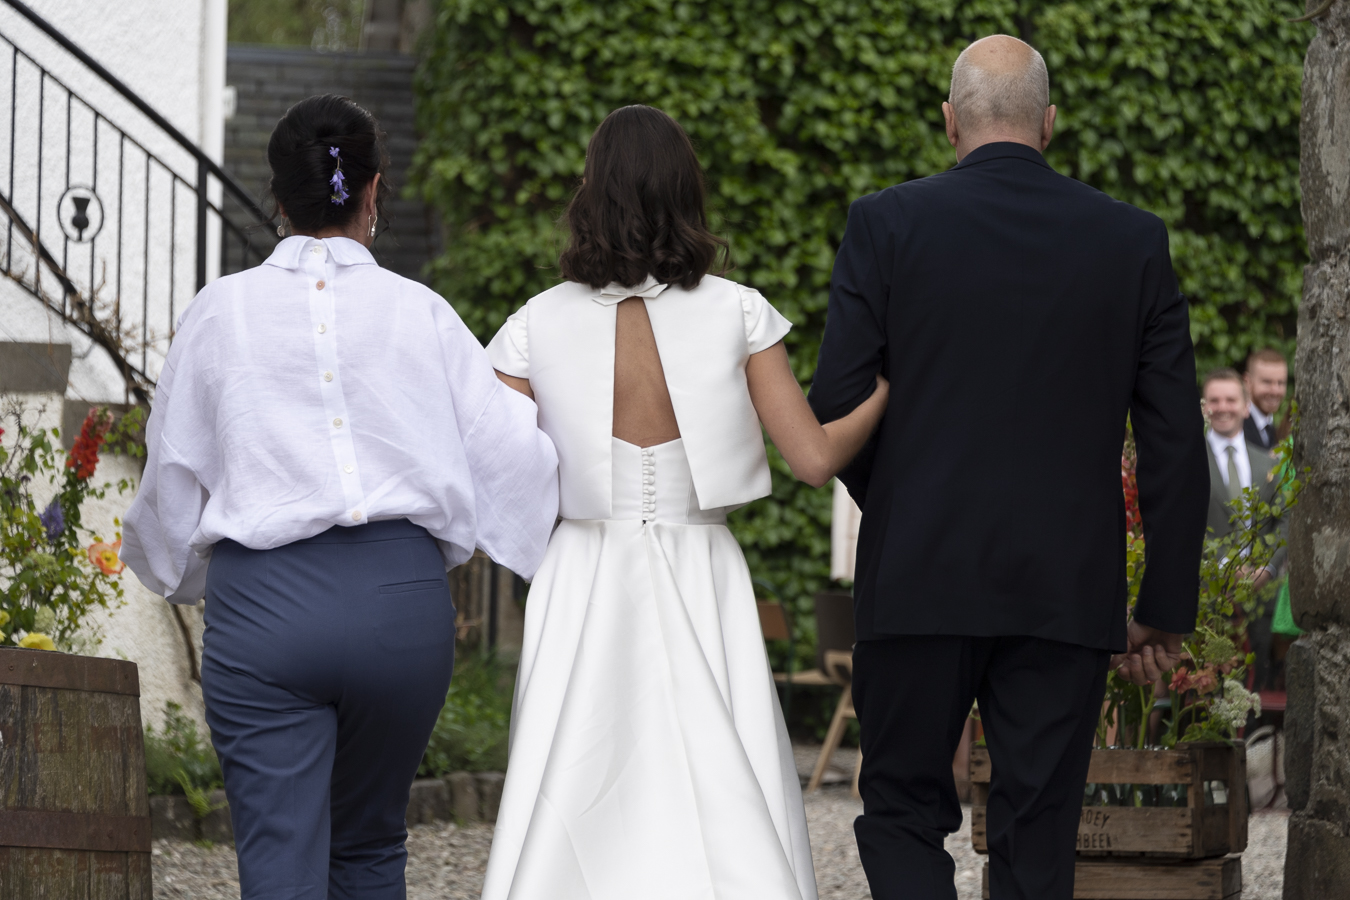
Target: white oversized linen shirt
point(319, 389)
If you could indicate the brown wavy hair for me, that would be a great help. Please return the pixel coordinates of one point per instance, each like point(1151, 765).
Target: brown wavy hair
point(640, 208)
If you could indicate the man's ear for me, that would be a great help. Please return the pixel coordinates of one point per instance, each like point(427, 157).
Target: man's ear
point(953, 133)
point(1048, 126)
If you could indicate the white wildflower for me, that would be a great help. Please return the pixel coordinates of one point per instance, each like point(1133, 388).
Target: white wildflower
point(1232, 707)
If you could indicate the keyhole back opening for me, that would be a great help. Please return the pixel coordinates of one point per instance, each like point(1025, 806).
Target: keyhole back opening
point(643, 413)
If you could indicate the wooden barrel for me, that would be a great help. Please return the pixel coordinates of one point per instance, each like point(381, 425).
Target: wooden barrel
point(74, 816)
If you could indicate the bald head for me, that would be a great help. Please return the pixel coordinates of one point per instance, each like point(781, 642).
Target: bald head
point(1000, 91)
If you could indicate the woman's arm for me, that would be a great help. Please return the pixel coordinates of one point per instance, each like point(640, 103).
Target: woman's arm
point(814, 452)
point(516, 384)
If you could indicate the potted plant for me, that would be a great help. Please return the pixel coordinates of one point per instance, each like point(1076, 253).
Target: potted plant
point(53, 571)
point(72, 764)
point(1167, 781)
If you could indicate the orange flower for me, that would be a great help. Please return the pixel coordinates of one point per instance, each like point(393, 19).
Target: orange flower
point(1205, 682)
point(1202, 682)
point(105, 557)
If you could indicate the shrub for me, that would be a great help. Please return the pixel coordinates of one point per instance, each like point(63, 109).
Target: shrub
point(1204, 698)
point(179, 761)
point(472, 730)
point(1187, 108)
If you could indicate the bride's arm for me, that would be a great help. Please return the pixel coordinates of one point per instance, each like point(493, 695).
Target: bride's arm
point(516, 384)
point(814, 452)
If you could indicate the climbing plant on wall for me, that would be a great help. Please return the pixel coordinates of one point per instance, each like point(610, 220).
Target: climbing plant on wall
point(1187, 108)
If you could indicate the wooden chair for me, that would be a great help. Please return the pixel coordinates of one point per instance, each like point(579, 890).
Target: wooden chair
point(773, 621)
point(839, 669)
point(834, 629)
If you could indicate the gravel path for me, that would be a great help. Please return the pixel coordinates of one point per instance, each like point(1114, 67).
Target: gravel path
point(446, 862)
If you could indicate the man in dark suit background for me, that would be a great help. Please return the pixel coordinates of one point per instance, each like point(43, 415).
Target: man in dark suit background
point(1236, 462)
point(1266, 381)
point(1003, 300)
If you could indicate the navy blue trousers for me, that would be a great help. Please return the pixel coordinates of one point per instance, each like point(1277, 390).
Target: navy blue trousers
point(326, 663)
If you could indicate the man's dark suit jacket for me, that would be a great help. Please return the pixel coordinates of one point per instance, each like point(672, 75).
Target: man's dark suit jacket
point(1020, 315)
point(1254, 435)
point(1218, 519)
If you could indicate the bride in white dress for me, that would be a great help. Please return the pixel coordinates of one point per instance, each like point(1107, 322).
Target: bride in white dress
point(649, 757)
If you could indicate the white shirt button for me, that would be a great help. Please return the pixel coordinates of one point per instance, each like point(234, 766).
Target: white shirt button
point(327, 376)
point(356, 515)
point(317, 249)
point(322, 328)
point(337, 423)
point(349, 468)
point(320, 284)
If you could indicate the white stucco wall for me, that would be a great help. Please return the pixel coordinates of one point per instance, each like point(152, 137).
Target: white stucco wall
point(172, 53)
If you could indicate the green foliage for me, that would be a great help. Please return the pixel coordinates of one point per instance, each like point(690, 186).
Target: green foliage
point(49, 581)
point(179, 761)
point(472, 730)
point(321, 24)
point(1187, 108)
point(1205, 699)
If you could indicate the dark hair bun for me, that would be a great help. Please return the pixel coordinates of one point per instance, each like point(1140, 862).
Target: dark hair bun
point(303, 165)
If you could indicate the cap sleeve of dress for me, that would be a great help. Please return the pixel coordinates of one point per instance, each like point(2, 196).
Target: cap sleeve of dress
point(764, 325)
point(509, 350)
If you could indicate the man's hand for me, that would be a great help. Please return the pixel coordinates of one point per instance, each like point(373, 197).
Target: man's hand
point(1150, 653)
point(1261, 579)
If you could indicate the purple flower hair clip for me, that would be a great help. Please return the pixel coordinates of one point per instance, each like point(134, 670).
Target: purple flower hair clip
point(338, 181)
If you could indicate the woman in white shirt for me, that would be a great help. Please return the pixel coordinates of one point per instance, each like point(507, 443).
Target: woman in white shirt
point(649, 757)
point(327, 439)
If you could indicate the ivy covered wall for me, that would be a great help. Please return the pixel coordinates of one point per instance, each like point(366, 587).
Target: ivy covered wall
point(1187, 108)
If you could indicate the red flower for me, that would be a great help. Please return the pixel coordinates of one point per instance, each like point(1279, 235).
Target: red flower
point(1133, 521)
point(1203, 681)
point(83, 456)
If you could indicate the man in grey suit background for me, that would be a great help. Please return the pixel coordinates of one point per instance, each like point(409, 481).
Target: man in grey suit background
point(1235, 463)
point(1267, 381)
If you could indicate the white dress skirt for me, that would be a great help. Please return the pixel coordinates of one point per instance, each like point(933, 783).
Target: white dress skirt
point(649, 757)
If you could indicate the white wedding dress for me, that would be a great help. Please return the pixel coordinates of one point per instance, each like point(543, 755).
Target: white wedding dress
point(649, 757)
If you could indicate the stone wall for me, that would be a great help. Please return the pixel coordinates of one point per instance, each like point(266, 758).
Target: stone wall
point(268, 80)
point(1318, 666)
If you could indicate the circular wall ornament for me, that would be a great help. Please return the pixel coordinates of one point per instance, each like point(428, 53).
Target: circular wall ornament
point(80, 213)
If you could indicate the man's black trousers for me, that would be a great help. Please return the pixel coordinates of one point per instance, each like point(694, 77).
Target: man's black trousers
point(1039, 703)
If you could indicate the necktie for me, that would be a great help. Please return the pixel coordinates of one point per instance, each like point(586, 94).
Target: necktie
point(1234, 482)
point(1269, 432)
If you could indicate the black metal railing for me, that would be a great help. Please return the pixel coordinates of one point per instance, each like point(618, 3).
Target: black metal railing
point(112, 230)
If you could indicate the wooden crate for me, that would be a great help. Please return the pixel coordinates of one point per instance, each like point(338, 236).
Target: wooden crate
point(1154, 879)
point(1195, 831)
